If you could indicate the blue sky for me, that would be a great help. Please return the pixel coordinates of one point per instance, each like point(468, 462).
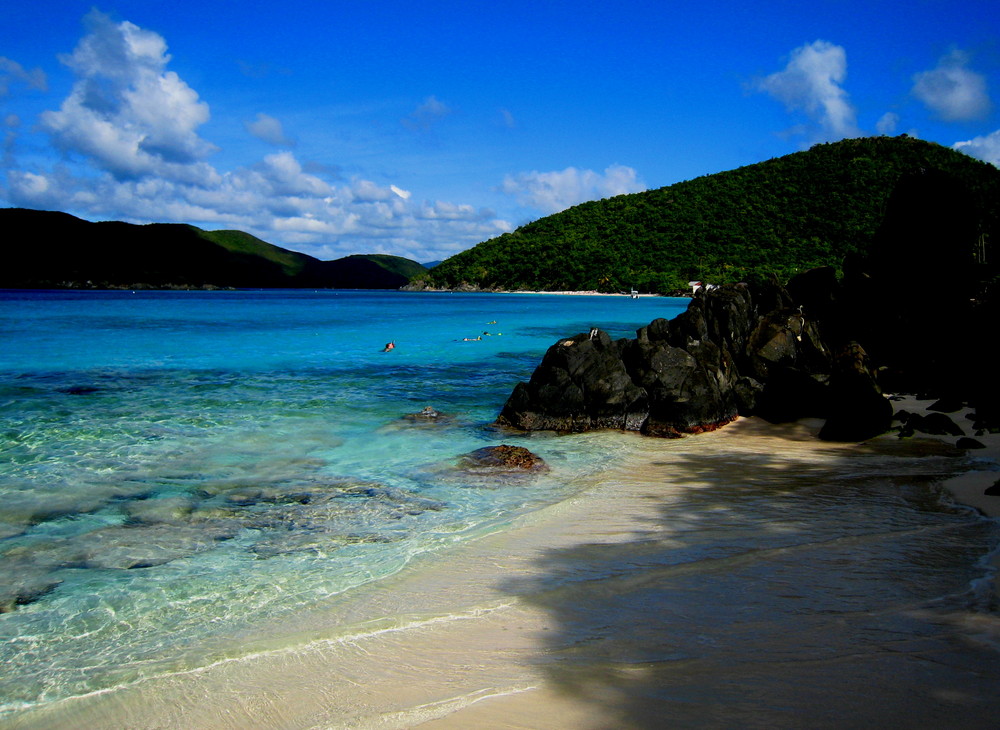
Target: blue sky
point(420, 129)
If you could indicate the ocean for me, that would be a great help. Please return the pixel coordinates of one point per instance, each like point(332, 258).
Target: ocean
point(177, 466)
point(191, 481)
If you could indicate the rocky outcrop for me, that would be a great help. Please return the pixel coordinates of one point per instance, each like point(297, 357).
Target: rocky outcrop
point(736, 350)
point(818, 347)
point(581, 384)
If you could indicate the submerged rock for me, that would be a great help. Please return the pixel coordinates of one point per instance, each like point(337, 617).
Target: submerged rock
point(428, 416)
point(22, 590)
point(503, 458)
point(427, 413)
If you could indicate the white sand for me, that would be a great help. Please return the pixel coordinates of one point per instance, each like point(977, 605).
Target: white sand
point(468, 642)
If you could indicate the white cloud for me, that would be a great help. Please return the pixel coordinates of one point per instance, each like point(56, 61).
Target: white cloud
point(887, 123)
point(130, 131)
point(126, 113)
point(811, 83)
point(281, 175)
point(441, 210)
point(12, 72)
point(551, 192)
point(277, 201)
point(952, 91)
point(427, 114)
point(268, 129)
point(985, 148)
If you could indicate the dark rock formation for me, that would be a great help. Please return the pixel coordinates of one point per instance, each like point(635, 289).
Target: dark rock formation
point(722, 357)
point(581, 384)
point(817, 347)
point(935, 424)
point(857, 408)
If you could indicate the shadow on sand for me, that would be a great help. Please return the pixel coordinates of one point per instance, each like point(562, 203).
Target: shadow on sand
point(778, 582)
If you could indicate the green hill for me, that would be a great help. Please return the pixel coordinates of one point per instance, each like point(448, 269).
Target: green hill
point(782, 216)
point(47, 249)
point(370, 271)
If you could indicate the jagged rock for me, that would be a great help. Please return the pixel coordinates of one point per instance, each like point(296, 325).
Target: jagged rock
point(581, 384)
point(687, 375)
point(774, 343)
point(816, 291)
point(686, 392)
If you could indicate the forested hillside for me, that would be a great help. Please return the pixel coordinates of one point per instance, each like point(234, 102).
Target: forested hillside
point(782, 216)
point(45, 249)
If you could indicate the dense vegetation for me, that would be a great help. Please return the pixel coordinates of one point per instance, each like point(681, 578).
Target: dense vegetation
point(780, 217)
point(53, 250)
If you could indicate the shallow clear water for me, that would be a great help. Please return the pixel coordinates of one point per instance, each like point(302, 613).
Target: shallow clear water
point(177, 468)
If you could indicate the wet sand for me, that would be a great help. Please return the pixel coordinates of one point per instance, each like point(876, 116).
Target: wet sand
point(563, 621)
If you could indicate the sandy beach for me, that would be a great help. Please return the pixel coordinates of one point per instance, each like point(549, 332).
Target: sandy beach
point(569, 618)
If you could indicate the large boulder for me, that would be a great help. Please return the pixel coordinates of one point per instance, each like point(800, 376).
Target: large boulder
point(581, 384)
point(858, 410)
point(686, 390)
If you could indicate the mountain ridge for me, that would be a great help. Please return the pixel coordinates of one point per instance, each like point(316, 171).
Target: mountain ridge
point(778, 217)
point(52, 249)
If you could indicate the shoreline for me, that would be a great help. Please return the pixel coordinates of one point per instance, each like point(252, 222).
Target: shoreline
point(581, 293)
point(967, 488)
point(497, 633)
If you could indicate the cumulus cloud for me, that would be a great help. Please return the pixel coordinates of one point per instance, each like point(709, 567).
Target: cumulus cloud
point(276, 200)
point(126, 113)
point(281, 175)
point(130, 131)
point(425, 116)
point(551, 192)
point(811, 83)
point(985, 148)
point(268, 129)
point(12, 72)
point(952, 91)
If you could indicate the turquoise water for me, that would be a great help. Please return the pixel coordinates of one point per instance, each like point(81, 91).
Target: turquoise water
point(176, 468)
